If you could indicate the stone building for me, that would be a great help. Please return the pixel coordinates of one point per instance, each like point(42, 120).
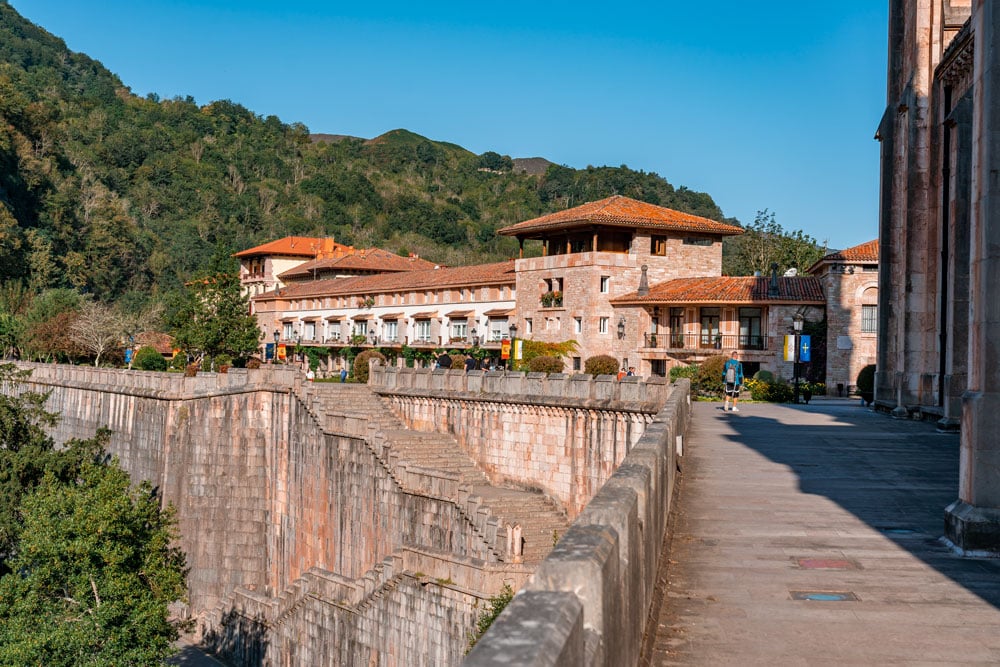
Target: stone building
point(850, 285)
point(261, 266)
point(593, 254)
point(640, 282)
point(692, 319)
point(939, 324)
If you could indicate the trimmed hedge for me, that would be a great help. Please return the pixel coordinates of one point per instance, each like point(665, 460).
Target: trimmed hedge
point(600, 364)
point(546, 364)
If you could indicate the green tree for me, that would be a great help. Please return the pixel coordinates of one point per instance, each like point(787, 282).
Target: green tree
point(93, 574)
point(87, 562)
point(766, 242)
point(213, 317)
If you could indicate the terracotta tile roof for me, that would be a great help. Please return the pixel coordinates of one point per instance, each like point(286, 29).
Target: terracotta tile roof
point(499, 312)
point(864, 253)
point(392, 316)
point(425, 315)
point(369, 260)
point(293, 246)
point(334, 318)
point(364, 316)
point(163, 343)
point(501, 273)
point(619, 211)
point(459, 313)
point(725, 289)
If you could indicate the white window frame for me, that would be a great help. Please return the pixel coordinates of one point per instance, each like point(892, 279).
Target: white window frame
point(605, 284)
point(602, 325)
point(422, 330)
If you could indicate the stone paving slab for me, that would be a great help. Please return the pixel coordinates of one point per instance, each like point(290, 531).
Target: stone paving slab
point(831, 482)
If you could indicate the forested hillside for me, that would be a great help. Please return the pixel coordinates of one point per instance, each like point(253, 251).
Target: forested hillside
point(107, 192)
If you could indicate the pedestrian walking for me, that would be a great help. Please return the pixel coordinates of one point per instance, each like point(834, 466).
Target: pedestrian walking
point(732, 379)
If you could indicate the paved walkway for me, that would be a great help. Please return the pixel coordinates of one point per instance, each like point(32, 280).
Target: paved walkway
point(825, 501)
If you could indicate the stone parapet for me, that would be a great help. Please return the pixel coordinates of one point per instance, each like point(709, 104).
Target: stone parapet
point(588, 602)
point(643, 394)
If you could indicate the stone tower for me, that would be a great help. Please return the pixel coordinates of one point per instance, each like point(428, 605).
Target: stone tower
point(939, 265)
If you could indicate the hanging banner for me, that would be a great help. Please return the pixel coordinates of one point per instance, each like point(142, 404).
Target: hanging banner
point(805, 349)
point(268, 351)
point(281, 352)
point(518, 348)
point(505, 348)
point(789, 347)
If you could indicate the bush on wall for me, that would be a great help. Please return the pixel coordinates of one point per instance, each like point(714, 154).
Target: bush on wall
point(600, 364)
point(361, 364)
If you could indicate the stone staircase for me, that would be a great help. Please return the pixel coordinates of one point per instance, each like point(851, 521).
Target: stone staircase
point(540, 520)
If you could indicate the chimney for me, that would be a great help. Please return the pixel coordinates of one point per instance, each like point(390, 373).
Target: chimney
point(644, 282)
point(772, 289)
point(326, 247)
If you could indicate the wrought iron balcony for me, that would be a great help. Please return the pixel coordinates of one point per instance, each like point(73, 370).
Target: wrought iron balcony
point(696, 342)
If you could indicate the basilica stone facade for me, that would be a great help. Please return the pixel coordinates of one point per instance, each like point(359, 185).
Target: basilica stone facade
point(939, 318)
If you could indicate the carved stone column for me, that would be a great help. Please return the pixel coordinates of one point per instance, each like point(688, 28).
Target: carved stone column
point(972, 522)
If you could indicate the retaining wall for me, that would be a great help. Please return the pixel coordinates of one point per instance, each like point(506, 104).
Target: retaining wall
point(588, 603)
point(562, 434)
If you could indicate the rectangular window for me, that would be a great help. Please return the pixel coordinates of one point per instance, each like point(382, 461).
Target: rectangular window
point(869, 319)
point(605, 284)
point(710, 335)
point(602, 325)
point(750, 331)
point(498, 328)
point(361, 328)
point(658, 367)
point(459, 330)
point(677, 327)
point(527, 326)
point(391, 331)
point(658, 245)
point(577, 364)
point(310, 331)
point(423, 330)
point(287, 331)
point(577, 325)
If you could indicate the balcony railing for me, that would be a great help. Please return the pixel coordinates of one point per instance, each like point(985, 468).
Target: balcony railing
point(695, 342)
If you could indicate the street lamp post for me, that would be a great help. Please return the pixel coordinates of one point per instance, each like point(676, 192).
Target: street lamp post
point(274, 352)
point(475, 337)
point(797, 322)
point(513, 337)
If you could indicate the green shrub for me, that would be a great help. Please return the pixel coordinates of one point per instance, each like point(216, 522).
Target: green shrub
point(600, 364)
point(489, 614)
point(690, 372)
point(148, 359)
point(709, 379)
point(361, 364)
point(546, 364)
point(764, 376)
point(179, 362)
point(253, 362)
point(866, 379)
point(772, 392)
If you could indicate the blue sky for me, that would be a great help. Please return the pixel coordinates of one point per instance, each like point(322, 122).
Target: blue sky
point(762, 105)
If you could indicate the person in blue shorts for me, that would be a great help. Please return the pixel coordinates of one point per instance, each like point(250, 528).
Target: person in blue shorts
point(732, 380)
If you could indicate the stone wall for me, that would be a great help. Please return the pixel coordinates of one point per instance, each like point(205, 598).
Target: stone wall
point(266, 498)
point(588, 603)
point(562, 434)
point(306, 545)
